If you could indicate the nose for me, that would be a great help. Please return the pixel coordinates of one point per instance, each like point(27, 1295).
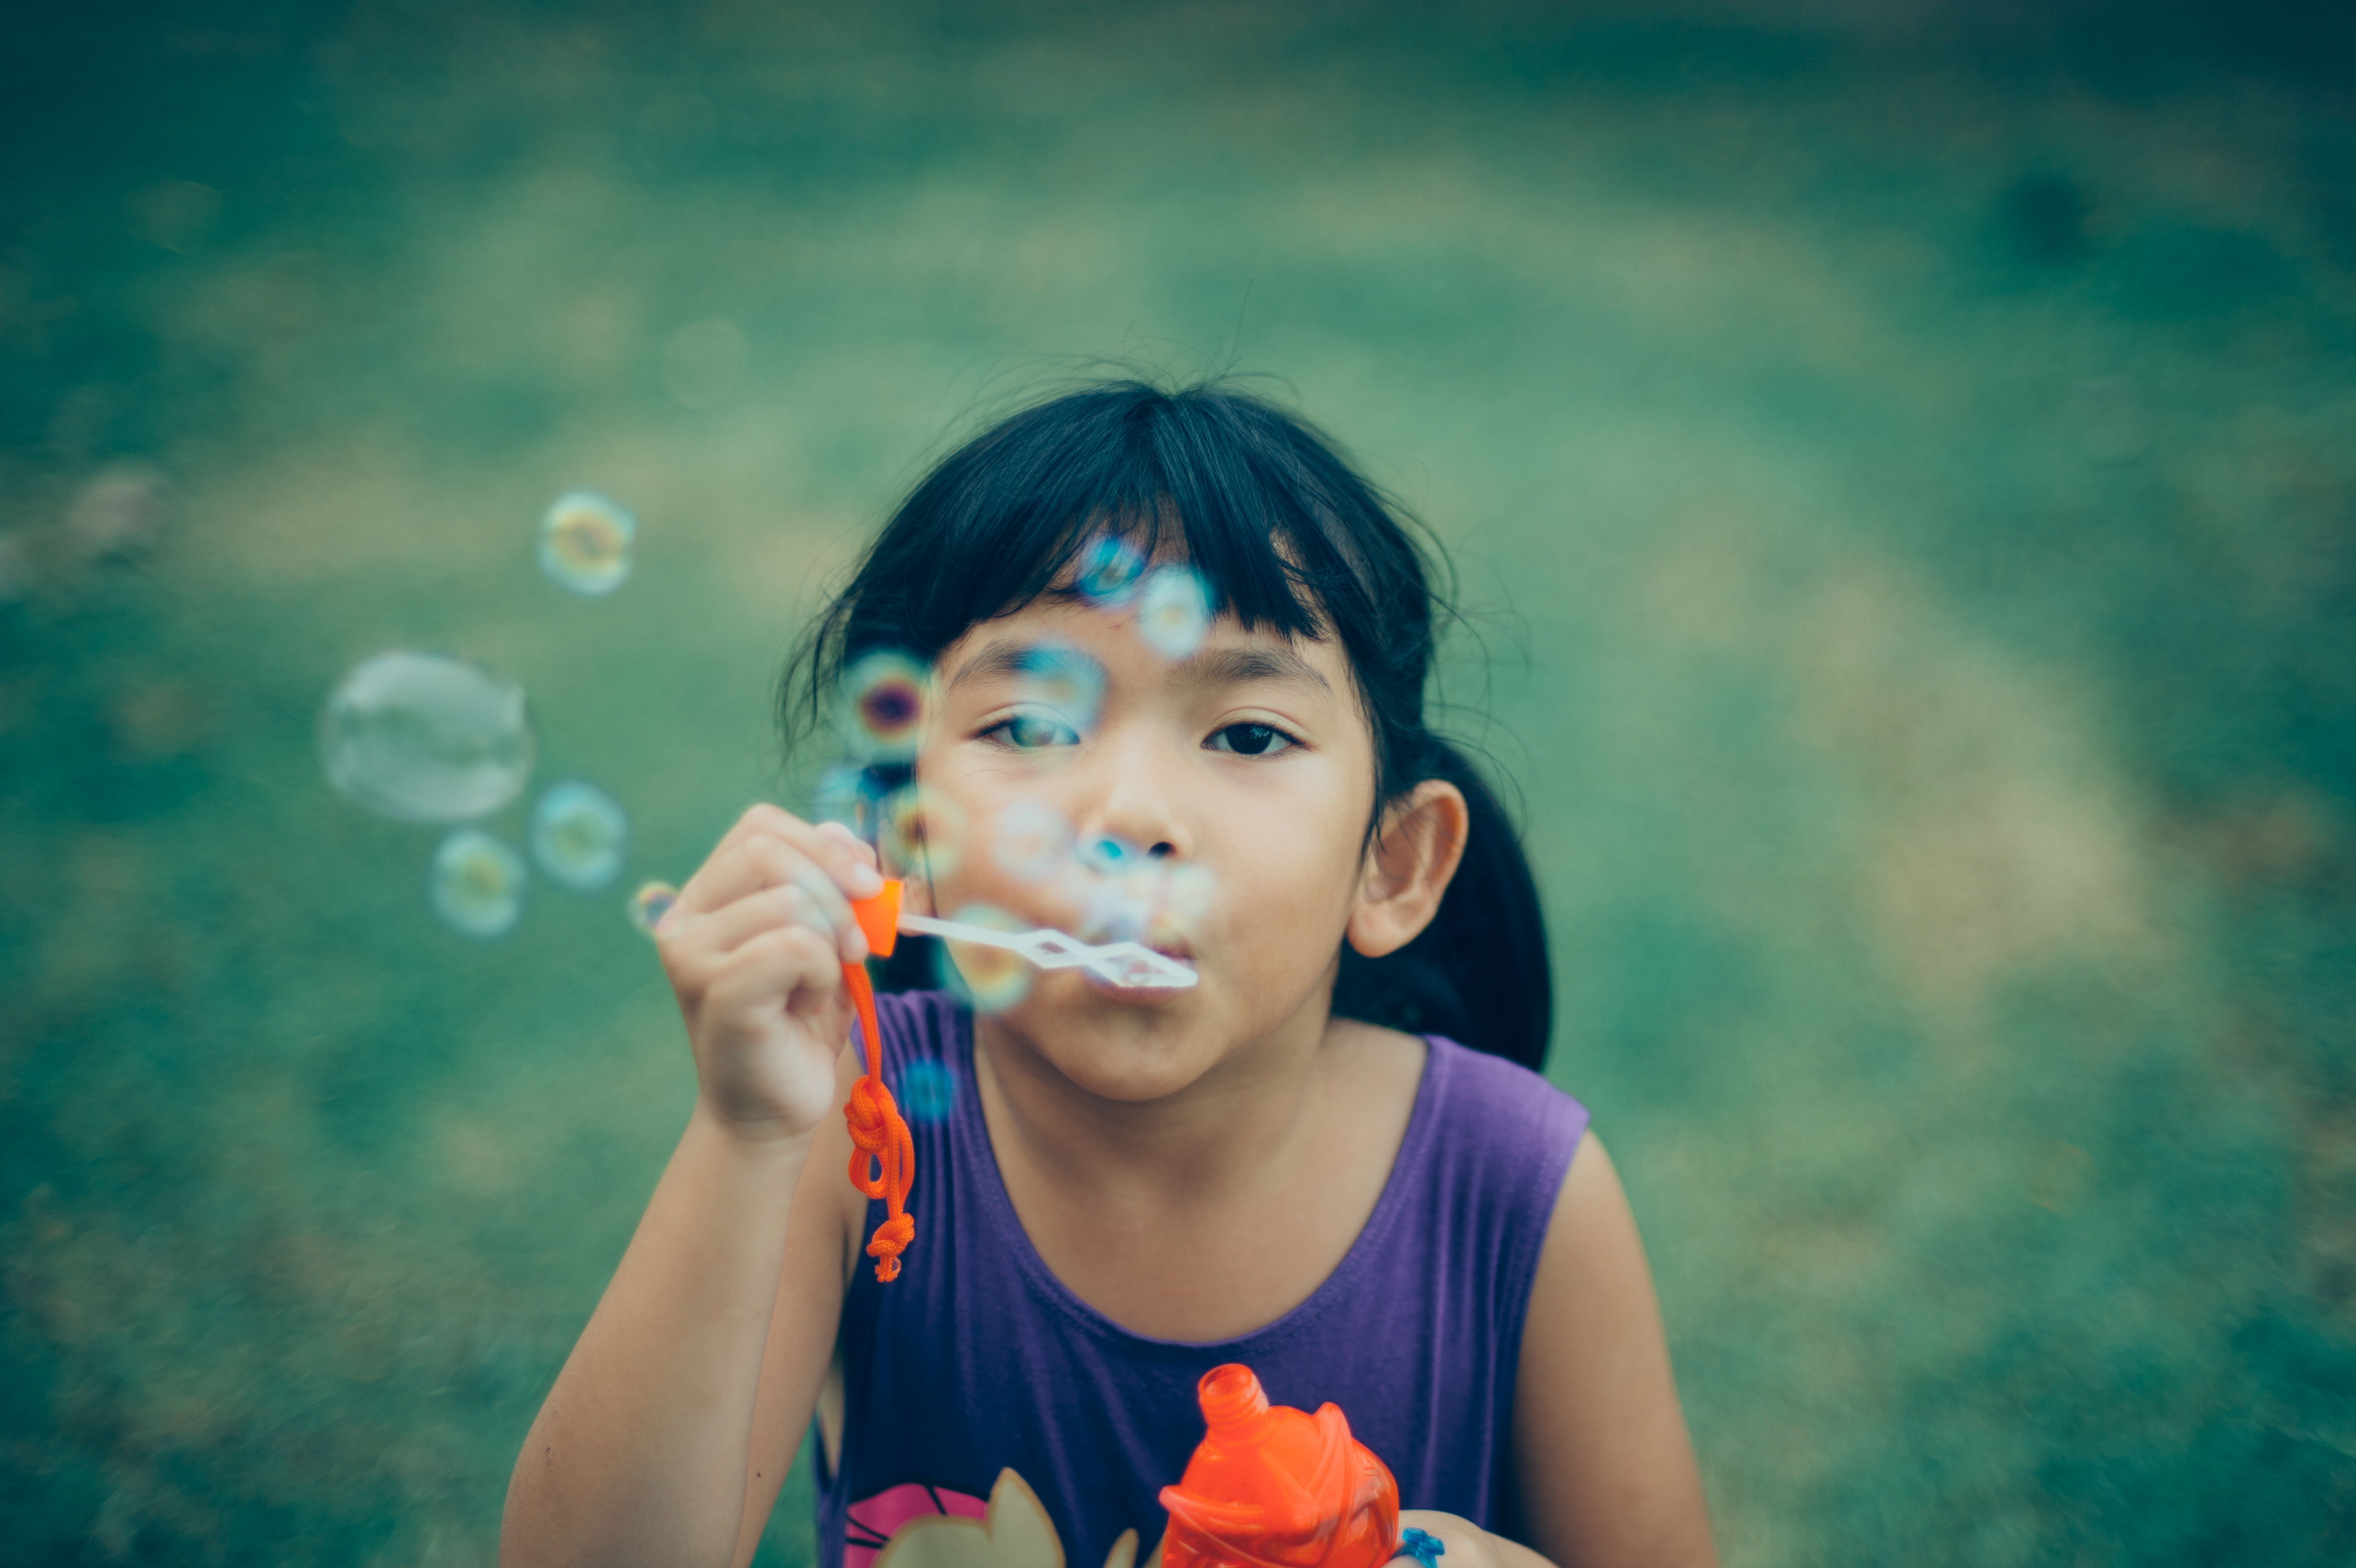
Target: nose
point(1132, 802)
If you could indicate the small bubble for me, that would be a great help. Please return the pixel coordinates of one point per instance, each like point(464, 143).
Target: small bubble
point(585, 543)
point(426, 738)
point(1109, 571)
point(118, 512)
point(923, 832)
point(650, 904)
point(990, 980)
point(928, 1090)
point(888, 694)
point(1063, 680)
point(1111, 855)
point(1181, 900)
point(848, 794)
point(1031, 842)
point(1119, 909)
point(1173, 613)
point(579, 836)
point(477, 884)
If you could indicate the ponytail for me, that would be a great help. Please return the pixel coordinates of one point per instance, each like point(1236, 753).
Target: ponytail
point(1478, 973)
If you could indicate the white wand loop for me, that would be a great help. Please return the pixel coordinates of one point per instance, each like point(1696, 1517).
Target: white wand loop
point(1116, 963)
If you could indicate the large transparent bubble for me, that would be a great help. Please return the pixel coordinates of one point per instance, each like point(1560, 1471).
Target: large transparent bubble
point(477, 884)
point(425, 738)
point(585, 543)
point(579, 836)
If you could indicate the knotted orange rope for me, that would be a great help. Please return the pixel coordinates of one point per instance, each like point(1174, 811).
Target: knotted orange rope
point(877, 1128)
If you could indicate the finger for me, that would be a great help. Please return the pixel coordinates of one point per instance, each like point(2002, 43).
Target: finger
point(768, 909)
point(701, 890)
point(768, 857)
point(854, 842)
point(765, 864)
point(792, 967)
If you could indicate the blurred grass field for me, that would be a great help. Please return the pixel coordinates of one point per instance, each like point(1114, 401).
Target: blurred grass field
point(1900, 460)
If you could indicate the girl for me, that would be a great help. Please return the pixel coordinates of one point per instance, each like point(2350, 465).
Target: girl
point(1180, 625)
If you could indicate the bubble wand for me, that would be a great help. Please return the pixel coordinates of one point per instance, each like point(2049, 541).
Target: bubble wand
point(884, 1158)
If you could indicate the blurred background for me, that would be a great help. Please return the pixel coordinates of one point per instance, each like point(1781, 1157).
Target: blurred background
point(1899, 456)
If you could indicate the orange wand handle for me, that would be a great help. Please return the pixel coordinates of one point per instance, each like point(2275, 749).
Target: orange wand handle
point(884, 1160)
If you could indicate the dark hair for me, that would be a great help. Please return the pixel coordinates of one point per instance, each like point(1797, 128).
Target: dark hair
point(1287, 536)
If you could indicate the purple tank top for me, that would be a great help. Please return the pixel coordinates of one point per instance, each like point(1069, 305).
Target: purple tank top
point(978, 1360)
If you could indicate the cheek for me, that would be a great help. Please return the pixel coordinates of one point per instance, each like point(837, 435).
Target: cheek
point(1288, 876)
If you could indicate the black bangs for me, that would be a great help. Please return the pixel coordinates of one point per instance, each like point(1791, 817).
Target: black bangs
point(1246, 493)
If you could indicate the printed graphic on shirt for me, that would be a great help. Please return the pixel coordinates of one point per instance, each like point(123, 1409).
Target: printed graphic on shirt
point(918, 1526)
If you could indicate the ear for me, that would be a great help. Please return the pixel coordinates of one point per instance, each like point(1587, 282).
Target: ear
point(1414, 856)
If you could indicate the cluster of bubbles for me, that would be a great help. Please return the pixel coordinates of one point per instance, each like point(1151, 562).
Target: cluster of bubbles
point(1106, 889)
point(427, 738)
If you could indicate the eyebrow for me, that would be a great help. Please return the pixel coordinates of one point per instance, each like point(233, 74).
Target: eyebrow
point(1001, 657)
point(1230, 667)
point(1226, 667)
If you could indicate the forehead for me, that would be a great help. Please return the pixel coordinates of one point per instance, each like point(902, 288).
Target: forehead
point(1229, 653)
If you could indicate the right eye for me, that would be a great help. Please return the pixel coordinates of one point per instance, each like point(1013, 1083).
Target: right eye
point(1032, 732)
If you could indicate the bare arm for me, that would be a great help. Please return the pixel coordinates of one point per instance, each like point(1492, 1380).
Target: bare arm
point(723, 1309)
point(1606, 1470)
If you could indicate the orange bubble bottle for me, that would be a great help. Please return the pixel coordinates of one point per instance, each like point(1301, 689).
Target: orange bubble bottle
point(1272, 1487)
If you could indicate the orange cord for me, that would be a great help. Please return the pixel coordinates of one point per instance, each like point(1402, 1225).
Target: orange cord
point(877, 1128)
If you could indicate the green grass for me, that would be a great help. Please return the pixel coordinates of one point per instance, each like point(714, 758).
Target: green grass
point(1902, 478)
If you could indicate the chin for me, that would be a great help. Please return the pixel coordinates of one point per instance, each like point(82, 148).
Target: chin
point(1111, 1049)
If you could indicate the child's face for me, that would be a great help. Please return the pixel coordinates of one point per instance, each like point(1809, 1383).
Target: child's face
point(1243, 775)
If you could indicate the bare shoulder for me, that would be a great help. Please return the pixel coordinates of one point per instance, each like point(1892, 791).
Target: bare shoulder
point(1600, 1439)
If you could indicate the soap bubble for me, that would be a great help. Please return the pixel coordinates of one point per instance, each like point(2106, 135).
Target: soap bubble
point(1031, 842)
point(1173, 613)
point(1063, 680)
point(426, 738)
point(585, 543)
point(888, 695)
point(851, 794)
point(1119, 909)
point(119, 512)
point(1179, 902)
point(1109, 854)
point(477, 884)
point(650, 904)
point(922, 831)
point(1109, 571)
point(991, 979)
point(579, 836)
point(928, 1090)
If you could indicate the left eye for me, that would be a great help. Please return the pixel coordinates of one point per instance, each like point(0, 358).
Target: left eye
point(1250, 740)
point(1032, 731)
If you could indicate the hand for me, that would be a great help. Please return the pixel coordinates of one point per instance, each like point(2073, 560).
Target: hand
point(755, 948)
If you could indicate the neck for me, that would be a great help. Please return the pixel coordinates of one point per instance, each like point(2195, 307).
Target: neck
point(1194, 1148)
